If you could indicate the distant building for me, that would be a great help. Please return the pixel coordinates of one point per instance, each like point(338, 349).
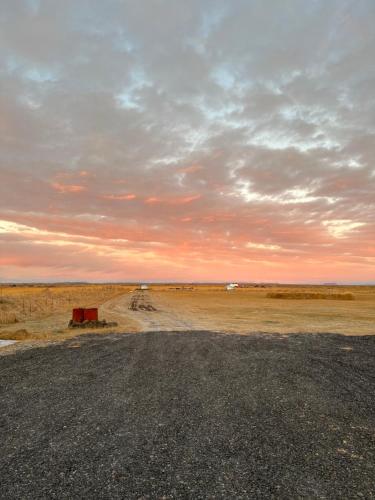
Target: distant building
point(144, 287)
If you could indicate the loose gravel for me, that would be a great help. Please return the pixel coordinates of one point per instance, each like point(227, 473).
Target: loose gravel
point(189, 415)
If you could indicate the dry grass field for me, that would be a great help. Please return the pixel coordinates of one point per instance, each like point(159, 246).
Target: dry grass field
point(42, 312)
point(252, 309)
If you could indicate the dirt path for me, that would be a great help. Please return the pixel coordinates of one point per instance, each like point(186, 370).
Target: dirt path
point(151, 311)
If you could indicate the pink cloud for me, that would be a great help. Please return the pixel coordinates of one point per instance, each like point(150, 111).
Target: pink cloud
point(183, 200)
point(191, 169)
point(68, 188)
point(121, 197)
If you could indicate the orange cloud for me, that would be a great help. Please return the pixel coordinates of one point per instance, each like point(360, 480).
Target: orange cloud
point(123, 197)
point(68, 188)
point(191, 169)
point(172, 201)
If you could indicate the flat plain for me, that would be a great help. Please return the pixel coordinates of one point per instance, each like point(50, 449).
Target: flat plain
point(42, 312)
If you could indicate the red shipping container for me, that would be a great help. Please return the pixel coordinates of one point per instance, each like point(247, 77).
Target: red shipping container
point(78, 315)
point(90, 314)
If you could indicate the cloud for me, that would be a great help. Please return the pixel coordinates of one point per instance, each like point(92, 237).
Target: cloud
point(201, 138)
point(120, 197)
point(262, 246)
point(172, 201)
point(67, 188)
point(341, 228)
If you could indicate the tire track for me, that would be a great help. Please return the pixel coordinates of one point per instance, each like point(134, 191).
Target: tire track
point(151, 313)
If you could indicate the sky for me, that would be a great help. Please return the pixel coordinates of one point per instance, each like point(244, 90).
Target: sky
point(200, 140)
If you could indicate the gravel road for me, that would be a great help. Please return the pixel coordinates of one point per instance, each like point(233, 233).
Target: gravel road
point(189, 415)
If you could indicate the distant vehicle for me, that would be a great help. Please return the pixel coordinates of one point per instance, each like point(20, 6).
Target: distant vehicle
point(144, 287)
point(231, 286)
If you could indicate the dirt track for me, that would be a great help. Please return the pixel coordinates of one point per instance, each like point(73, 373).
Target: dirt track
point(151, 312)
point(189, 415)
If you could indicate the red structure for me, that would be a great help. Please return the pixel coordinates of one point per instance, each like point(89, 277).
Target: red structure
point(80, 315)
point(90, 314)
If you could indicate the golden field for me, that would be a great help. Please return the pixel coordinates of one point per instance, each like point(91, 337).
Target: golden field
point(250, 310)
point(43, 312)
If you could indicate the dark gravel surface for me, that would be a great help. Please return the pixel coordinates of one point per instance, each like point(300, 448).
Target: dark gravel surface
point(189, 415)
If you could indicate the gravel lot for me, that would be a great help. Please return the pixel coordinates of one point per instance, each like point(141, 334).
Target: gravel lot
point(189, 415)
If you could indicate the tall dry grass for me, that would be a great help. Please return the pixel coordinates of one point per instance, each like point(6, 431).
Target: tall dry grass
point(7, 318)
point(23, 303)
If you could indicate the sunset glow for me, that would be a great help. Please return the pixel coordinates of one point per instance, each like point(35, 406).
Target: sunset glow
point(193, 141)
